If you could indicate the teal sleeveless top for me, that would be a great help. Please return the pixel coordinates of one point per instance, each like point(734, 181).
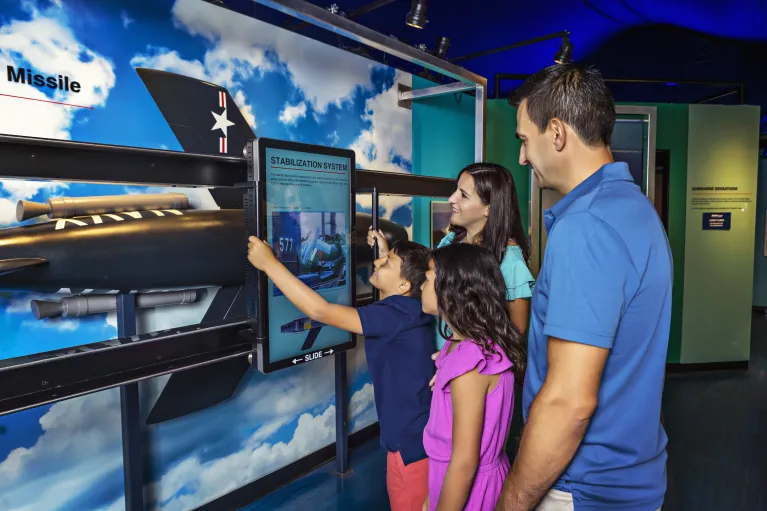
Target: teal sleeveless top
point(519, 281)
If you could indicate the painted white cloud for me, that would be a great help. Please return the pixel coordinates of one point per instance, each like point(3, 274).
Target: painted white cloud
point(356, 361)
point(292, 113)
point(170, 60)
point(313, 67)
point(17, 190)
point(50, 48)
point(208, 480)
point(43, 475)
point(7, 212)
point(126, 19)
point(269, 399)
point(390, 134)
point(245, 108)
point(58, 324)
point(362, 409)
point(20, 189)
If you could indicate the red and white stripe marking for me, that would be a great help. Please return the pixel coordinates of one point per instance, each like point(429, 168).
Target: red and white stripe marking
point(222, 104)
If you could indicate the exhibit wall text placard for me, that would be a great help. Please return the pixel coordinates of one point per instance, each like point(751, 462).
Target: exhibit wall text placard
point(719, 238)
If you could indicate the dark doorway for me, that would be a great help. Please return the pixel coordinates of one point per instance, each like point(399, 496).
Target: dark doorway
point(662, 168)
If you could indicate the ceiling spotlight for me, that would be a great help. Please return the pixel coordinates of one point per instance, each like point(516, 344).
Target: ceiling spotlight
point(443, 43)
point(417, 15)
point(565, 50)
point(333, 8)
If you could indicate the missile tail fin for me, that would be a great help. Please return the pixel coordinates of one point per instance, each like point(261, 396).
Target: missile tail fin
point(11, 265)
point(202, 387)
point(188, 105)
point(198, 388)
point(310, 338)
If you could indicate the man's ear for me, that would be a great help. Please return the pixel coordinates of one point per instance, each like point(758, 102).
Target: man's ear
point(558, 133)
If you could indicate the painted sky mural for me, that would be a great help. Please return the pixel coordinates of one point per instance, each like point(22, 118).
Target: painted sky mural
point(67, 456)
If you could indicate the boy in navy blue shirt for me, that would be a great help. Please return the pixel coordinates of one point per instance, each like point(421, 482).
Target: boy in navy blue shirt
point(399, 341)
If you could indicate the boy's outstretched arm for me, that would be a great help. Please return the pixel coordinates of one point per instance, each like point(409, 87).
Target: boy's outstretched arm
point(302, 296)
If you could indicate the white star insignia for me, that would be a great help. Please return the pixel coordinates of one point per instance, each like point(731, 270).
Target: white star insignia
point(222, 123)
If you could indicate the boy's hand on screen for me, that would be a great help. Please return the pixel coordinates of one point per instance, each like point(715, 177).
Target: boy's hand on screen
point(378, 237)
point(259, 253)
point(433, 378)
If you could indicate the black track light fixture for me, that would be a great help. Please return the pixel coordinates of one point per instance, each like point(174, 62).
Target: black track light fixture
point(443, 43)
point(563, 55)
point(417, 15)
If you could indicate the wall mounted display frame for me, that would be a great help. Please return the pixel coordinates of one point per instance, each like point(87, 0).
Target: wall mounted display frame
point(303, 204)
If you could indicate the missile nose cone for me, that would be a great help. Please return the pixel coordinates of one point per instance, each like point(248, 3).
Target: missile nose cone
point(42, 309)
point(26, 210)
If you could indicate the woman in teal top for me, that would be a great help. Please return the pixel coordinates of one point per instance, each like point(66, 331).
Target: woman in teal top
point(486, 213)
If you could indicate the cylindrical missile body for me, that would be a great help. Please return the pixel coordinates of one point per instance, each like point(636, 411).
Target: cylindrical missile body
point(125, 252)
point(68, 207)
point(142, 250)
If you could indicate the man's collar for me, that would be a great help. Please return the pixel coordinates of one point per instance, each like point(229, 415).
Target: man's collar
point(616, 171)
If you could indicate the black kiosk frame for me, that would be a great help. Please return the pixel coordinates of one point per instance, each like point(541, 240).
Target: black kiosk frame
point(257, 214)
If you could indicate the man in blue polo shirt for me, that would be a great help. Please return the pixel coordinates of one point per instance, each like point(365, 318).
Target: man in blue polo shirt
point(600, 317)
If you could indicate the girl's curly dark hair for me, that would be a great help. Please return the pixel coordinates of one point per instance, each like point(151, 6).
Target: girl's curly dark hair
point(471, 298)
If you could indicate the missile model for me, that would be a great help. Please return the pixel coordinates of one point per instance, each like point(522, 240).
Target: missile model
point(154, 242)
point(137, 250)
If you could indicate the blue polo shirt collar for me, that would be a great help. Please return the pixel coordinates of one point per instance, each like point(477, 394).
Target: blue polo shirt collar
point(616, 171)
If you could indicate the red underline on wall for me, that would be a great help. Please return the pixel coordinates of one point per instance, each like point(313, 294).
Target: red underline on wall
point(47, 101)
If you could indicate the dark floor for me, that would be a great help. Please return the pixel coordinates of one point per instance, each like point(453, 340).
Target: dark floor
point(717, 429)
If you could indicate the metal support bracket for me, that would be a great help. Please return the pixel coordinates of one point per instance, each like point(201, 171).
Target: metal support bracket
point(430, 92)
point(401, 101)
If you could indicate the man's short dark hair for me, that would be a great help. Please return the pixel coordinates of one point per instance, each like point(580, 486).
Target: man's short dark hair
point(576, 95)
point(415, 263)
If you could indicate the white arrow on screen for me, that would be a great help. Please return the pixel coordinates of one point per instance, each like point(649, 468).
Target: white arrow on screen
point(330, 352)
point(296, 360)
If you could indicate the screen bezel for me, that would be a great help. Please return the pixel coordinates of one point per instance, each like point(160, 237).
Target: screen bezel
point(265, 365)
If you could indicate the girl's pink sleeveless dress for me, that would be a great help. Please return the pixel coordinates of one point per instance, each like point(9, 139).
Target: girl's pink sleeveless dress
point(438, 435)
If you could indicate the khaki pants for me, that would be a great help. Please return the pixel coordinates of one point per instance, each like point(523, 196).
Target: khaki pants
point(557, 500)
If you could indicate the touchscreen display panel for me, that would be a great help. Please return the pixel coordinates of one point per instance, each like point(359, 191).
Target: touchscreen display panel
point(308, 219)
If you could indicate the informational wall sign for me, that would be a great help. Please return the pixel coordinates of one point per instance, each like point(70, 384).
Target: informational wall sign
point(723, 198)
point(722, 168)
point(308, 215)
point(716, 221)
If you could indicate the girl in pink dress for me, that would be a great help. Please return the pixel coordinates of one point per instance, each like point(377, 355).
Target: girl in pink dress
point(473, 397)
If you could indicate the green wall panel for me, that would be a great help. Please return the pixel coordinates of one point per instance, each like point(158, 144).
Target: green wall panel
point(760, 261)
point(502, 147)
point(718, 271)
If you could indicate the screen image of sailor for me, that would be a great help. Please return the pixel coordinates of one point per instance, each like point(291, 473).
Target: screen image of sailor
point(313, 246)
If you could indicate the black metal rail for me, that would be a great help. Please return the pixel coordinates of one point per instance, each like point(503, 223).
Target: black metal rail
point(34, 380)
